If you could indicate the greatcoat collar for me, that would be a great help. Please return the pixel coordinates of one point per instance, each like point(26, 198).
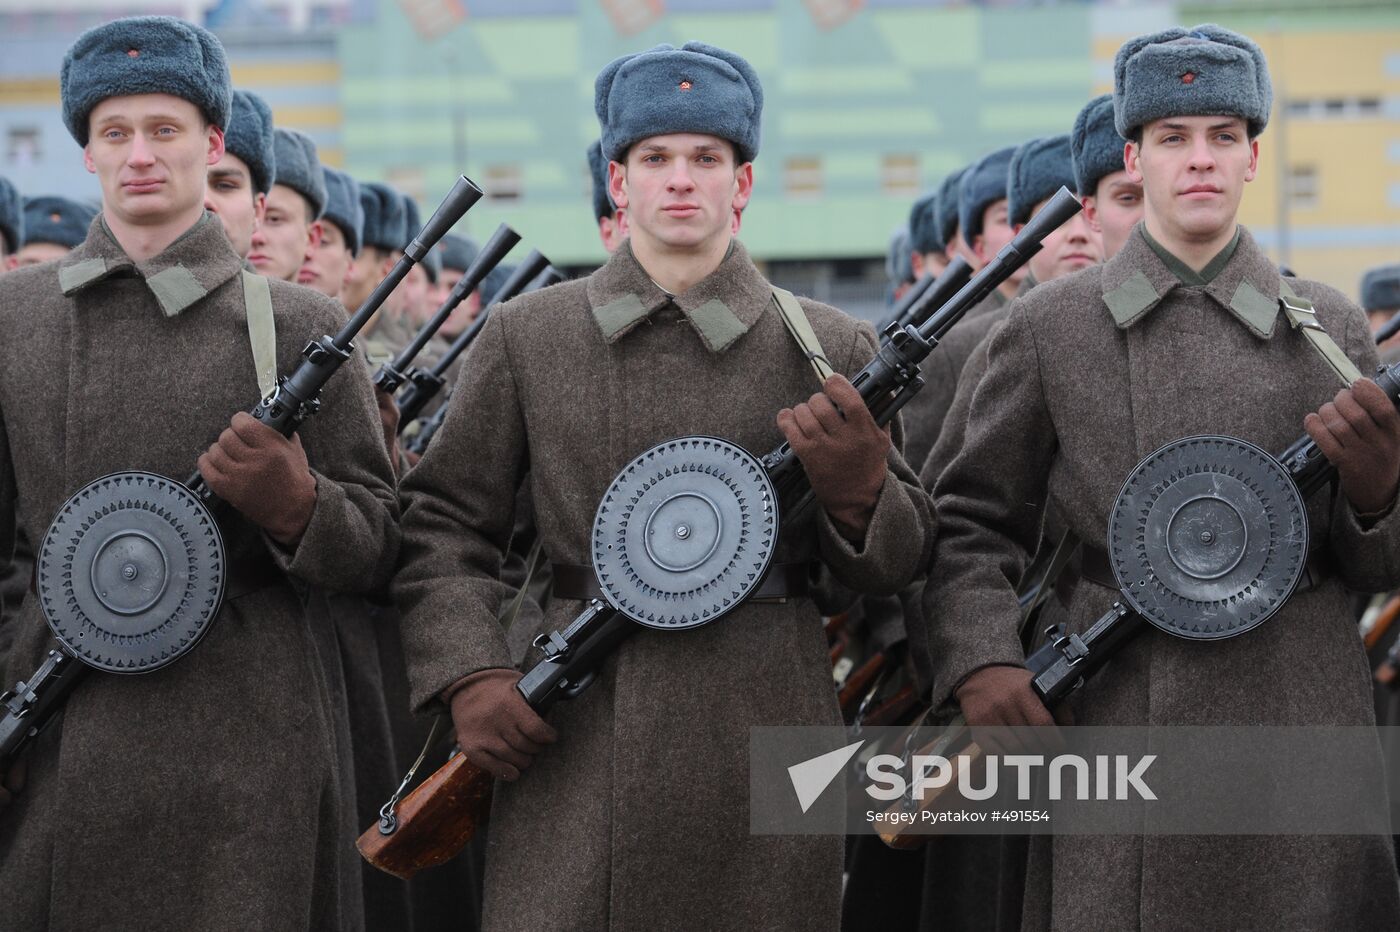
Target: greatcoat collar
point(1136, 280)
point(189, 269)
point(721, 307)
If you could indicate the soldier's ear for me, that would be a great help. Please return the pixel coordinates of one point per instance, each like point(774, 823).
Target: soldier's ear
point(1132, 155)
point(617, 184)
point(1253, 160)
point(314, 234)
point(88, 163)
point(1091, 213)
point(216, 145)
point(744, 176)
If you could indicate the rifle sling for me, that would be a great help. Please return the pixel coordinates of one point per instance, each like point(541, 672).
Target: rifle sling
point(795, 319)
point(1301, 315)
point(262, 330)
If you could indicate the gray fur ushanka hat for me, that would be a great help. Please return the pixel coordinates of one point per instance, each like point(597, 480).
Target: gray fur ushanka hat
point(696, 88)
point(144, 55)
point(982, 185)
point(1038, 169)
point(1380, 288)
point(386, 226)
point(62, 221)
point(923, 225)
point(946, 207)
point(1206, 70)
point(1094, 145)
point(456, 252)
point(249, 137)
point(343, 207)
point(298, 168)
point(899, 261)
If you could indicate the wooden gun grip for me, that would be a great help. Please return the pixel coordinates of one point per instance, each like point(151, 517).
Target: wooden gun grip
point(434, 822)
point(904, 837)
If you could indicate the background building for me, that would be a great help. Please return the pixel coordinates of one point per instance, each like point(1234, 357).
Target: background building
point(868, 103)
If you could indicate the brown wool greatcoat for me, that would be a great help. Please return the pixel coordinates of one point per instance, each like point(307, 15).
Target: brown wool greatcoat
point(1089, 374)
point(637, 819)
point(207, 795)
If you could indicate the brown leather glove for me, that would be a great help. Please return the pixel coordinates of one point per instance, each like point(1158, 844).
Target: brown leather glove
point(1359, 433)
point(264, 475)
point(496, 728)
point(843, 451)
point(12, 783)
point(389, 423)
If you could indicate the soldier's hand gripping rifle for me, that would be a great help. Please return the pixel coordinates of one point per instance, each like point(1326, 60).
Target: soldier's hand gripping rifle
point(424, 384)
point(131, 572)
point(1207, 540)
point(683, 535)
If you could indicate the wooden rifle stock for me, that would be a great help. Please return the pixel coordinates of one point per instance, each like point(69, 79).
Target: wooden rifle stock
point(432, 823)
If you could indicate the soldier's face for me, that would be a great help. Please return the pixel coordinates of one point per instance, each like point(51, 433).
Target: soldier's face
point(229, 196)
point(613, 230)
point(1193, 171)
point(996, 233)
point(35, 253)
point(464, 313)
point(1113, 210)
point(150, 153)
point(1072, 246)
point(328, 266)
point(287, 237)
point(682, 190)
point(414, 289)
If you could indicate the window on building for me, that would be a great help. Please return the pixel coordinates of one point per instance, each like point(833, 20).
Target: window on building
point(1302, 187)
point(1335, 108)
point(504, 183)
point(802, 177)
point(22, 148)
point(899, 174)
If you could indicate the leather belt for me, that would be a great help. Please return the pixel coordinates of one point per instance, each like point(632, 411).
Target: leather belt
point(784, 581)
point(1093, 565)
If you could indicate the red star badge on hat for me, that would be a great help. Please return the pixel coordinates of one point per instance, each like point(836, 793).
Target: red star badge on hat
point(1188, 77)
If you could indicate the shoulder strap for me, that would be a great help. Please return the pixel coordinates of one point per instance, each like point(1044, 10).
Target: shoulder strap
point(1301, 315)
point(795, 319)
point(262, 330)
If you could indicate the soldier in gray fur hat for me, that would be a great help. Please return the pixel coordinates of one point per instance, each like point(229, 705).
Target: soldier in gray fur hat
point(946, 216)
point(1188, 330)
point(682, 317)
point(1039, 168)
point(982, 212)
point(291, 228)
point(1380, 299)
point(240, 179)
point(342, 225)
point(53, 227)
point(456, 253)
point(11, 221)
point(144, 342)
point(1112, 200)
point(928, 249)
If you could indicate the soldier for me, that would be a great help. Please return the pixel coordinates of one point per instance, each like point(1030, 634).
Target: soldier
point(928, 251)
point(677, 334)
point(11, 222)
point(456, 253)
point(899, 265)
point(53, 227)
point(1169, 328)
point(386, 233)
point(240, 179)
point(1112, 200)
point(1380, 299)
point(291, 226)
point(612, 222)
point(139, 344)
point(982, 214)
point(946, 215)
point(1038, 169)
point(415, 290)
point(328, 266)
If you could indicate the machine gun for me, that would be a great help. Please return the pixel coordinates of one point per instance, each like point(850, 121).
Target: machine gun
point(1207, 539)
point(683, 535)
point(424, 384)
point(132, 571)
